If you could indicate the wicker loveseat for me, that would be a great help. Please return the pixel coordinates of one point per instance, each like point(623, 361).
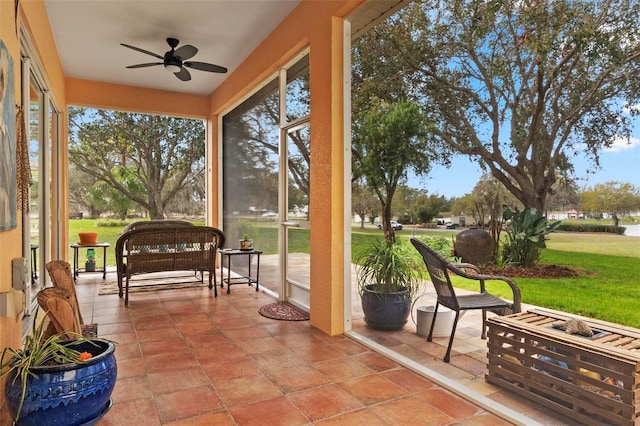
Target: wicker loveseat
point(156, 223)
point(167, 248)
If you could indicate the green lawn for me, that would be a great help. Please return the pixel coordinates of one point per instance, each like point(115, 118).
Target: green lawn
point(106, 234)
point(608, 288)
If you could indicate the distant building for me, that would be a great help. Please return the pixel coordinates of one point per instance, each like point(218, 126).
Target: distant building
point(568, 214)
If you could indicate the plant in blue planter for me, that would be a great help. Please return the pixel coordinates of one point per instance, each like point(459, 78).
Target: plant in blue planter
point(389, 277)
point(62, 382)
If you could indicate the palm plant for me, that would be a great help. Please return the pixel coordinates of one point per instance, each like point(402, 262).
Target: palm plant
point(389, 267)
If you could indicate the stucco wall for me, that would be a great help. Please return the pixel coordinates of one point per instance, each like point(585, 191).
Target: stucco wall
point(135, 99)
point(319, 26)
point(10, 241)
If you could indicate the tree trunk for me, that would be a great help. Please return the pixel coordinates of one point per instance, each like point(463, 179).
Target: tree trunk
point(361, 220)
point(389, 233)
point(156, 211)
point(495, 213)
point(93, 212)
point(616, 221)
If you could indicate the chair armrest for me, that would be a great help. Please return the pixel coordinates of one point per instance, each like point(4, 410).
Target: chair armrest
point(467, 266)
point(515, 290)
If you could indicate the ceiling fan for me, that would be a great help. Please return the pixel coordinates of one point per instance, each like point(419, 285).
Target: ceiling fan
point(175, 60)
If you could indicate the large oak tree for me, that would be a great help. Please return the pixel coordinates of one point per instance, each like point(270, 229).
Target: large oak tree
point(520, 86)
point(163, 154)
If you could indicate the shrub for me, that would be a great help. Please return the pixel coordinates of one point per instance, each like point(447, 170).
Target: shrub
point(591, 227)
point(441, 245)
point(525, 236)
point(112, 223)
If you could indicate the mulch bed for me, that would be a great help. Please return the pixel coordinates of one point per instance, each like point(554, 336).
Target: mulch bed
point(537, 271)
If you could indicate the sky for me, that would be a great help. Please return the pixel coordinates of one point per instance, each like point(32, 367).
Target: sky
point(619, 163)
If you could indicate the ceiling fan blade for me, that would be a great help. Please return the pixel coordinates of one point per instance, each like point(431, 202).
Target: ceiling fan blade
point(185, 52)
point(203, 66)
point(142, 50)
point(183, 74)
point(150, 64)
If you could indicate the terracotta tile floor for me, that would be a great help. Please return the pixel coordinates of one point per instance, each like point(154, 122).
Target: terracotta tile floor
point(187, 358)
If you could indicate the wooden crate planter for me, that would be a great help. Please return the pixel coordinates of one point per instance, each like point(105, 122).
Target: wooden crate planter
point(592, 380)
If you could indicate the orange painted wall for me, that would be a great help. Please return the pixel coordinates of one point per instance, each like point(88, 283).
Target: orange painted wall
point(317, 25)
point(96, 94)
point(10, 241)
point(36, 20)
point(33, 16)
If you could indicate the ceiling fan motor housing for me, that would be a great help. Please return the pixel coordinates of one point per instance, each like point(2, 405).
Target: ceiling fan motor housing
point(171, 60)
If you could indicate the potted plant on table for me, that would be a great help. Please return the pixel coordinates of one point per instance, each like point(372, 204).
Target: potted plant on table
point(55, 381)
point(245, 242)
point(388, 277)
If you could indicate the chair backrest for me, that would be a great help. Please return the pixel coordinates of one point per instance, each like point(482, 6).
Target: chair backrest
point(141, 224)
point(437, 267)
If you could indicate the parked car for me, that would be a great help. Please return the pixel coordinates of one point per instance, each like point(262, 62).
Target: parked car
point(453, 226)
point(394, 225)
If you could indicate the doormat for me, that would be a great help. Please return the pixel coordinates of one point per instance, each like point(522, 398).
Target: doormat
point(283, 311)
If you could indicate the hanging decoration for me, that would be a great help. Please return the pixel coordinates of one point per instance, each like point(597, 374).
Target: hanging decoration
point(23, 169)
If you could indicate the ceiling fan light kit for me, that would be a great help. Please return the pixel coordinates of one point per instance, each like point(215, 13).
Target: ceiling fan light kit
point(172, 68)
point(175, 60)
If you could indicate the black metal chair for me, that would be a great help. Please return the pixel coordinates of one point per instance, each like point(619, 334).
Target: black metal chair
point(439, 267)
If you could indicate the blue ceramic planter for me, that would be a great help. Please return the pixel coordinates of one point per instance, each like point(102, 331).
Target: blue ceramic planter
point(69, 394)
point(385, 311)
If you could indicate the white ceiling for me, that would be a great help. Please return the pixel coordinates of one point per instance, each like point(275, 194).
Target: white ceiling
point(88, 34)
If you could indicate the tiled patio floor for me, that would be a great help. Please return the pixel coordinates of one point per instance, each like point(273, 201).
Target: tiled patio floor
point(187, 358)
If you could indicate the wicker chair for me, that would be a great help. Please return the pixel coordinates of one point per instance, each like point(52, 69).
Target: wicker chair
point(439, 267)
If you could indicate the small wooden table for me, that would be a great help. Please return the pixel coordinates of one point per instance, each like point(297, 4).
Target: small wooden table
point(229, 253)
point(77, 246)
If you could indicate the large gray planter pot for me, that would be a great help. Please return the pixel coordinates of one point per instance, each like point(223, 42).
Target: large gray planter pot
point(385, 311)
point(475, 246)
